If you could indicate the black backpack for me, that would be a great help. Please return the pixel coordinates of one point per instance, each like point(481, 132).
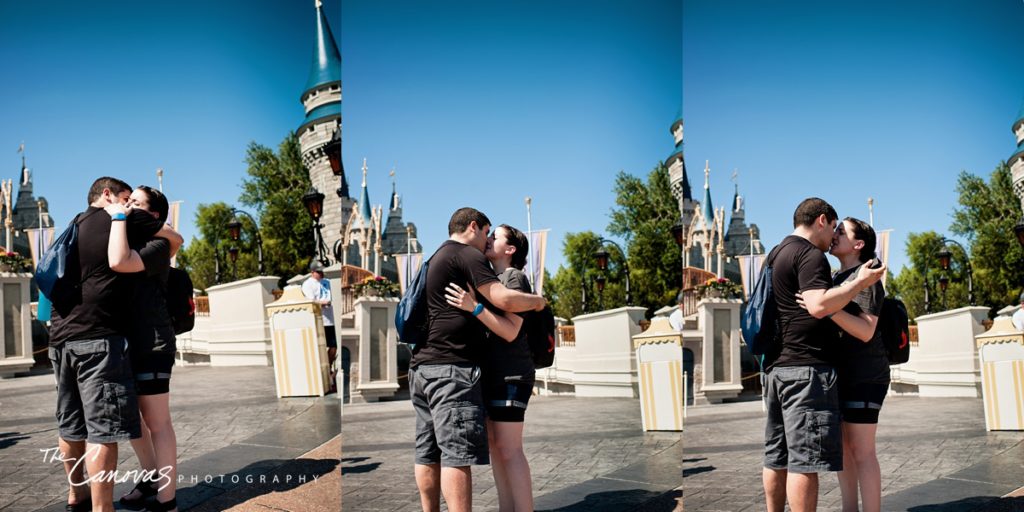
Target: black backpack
point(894, 324)
point(181, 304)
point(540, 336)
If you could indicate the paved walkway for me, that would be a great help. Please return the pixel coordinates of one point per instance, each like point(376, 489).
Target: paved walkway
point(232, 431)
point(934, 453)
point(589, 454)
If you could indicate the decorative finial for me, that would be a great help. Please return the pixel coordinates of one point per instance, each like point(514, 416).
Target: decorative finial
point(707, 173)
point(528, 200)
point(364, 173)
point(319, 4)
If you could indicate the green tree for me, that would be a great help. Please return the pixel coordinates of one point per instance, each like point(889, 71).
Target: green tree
point(565, 290)
point(643, 216)
point(986, 215)
point(274, 189)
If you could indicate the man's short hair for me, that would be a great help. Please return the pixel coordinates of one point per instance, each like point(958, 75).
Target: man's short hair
point(115, 185)
point(810, 209)
point(463, 217)
point(1021, 300)
point(157, 202)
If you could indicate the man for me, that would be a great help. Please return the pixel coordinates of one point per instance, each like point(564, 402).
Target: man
point(1018, 317)
point(318, 289)
point(802, 435)
point(444, 374)
point(96, 402)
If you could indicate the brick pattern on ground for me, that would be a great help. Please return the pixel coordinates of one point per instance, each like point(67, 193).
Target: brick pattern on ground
point(919, 440)
point(211, 408)
point(568, 441)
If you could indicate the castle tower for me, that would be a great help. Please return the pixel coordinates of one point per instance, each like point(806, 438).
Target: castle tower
point(321, 98)
point(1016, 160)
point(676, 164)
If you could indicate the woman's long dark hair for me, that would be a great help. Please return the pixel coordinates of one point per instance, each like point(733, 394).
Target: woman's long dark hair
point(865, 233)
point(517, 239)
point(157, 201)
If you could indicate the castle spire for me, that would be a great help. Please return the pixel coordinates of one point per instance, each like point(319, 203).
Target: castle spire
point(394, 190)
point(364, 199)
point(707, 208)
point(326, 57)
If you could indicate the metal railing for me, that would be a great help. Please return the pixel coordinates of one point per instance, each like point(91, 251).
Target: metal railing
point(566, 335)
point(202, 306)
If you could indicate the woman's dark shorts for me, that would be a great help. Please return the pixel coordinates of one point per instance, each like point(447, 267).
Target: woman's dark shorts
point(152, 355)
point(862, 401)
point(506, 397)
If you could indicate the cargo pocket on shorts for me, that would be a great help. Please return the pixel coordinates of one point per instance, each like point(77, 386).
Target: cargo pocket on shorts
point(115, 403)
point(468, 432)
point(827, 437)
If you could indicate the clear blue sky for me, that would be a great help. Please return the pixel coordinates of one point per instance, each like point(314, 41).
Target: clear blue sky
point(121, 88)
point(484, 103)
point(473, 103)
point(850, 100)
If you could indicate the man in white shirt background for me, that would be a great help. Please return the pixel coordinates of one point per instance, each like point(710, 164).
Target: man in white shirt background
point(1018, 317)
point(318, 289)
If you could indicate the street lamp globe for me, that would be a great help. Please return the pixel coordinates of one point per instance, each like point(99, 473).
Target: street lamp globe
point(600, 281)
point(234, 228)
point(333, 151)
point(314, 202)
point(601, 257)
point(943, 282)
point(233, 254)
point(677, 233)
point(945, 256)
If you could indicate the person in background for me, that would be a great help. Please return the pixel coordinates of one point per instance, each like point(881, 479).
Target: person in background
point(318, 289)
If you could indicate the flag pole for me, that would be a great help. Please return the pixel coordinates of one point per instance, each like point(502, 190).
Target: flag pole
point(529, 236)
point(160, 178)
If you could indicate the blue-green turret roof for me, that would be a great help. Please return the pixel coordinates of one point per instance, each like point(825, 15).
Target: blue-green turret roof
point(1017, 153)
point(364, 202)
point(323, 112)
point(677, 121)
point(326, 57)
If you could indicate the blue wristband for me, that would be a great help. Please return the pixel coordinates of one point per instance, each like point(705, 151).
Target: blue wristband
point(478, 309)
point(118, 216)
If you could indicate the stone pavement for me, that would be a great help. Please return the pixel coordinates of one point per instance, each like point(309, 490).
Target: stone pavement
point(934, 453)
point(231, 429)
point(585, 455)
point(589, 454)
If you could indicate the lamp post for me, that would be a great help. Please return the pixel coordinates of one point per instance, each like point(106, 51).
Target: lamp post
point(235, 230)
point(601, 257)
point(233, 256)
point(600, 281)
point(945, 258)
point(314, 202)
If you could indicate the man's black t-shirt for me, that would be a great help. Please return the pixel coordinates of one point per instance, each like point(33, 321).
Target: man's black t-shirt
point(101, 306)
point(455, 336)
point(799, 266)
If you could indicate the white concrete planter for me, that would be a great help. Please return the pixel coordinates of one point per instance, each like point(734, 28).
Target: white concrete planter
point(238, 332)
point(15, 324)
point(945, 363)
point(605, 363)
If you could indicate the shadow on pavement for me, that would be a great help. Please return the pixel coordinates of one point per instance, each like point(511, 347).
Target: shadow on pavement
point(365, 468)
point(8, 439)
point(975, 504)
point(616, 501)
point(697, 470)
point(256, 479)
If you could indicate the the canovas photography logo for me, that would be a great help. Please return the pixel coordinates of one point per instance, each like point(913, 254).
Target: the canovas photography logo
point(161, 476)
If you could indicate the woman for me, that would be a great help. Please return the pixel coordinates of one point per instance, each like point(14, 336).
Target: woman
point(151, 348)
point(508, 373)
point(864, 370)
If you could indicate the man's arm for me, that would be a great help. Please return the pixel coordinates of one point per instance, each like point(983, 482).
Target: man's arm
point(506, 326)
point(821, 303)
point(511, 300)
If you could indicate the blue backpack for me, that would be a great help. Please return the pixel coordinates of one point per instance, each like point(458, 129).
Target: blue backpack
point(411, 317)
point(760, 321)
point(53, 264)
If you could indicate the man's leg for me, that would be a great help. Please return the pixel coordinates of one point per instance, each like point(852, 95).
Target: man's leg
point(428, 481)
point(774, 481)
point(457, 488)
point(802, 490)
point(101, 461)
point(71, 451)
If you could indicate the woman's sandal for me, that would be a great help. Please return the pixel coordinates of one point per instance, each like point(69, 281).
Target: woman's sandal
point(160, 506)
point(146, 488)
point(82, 506)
